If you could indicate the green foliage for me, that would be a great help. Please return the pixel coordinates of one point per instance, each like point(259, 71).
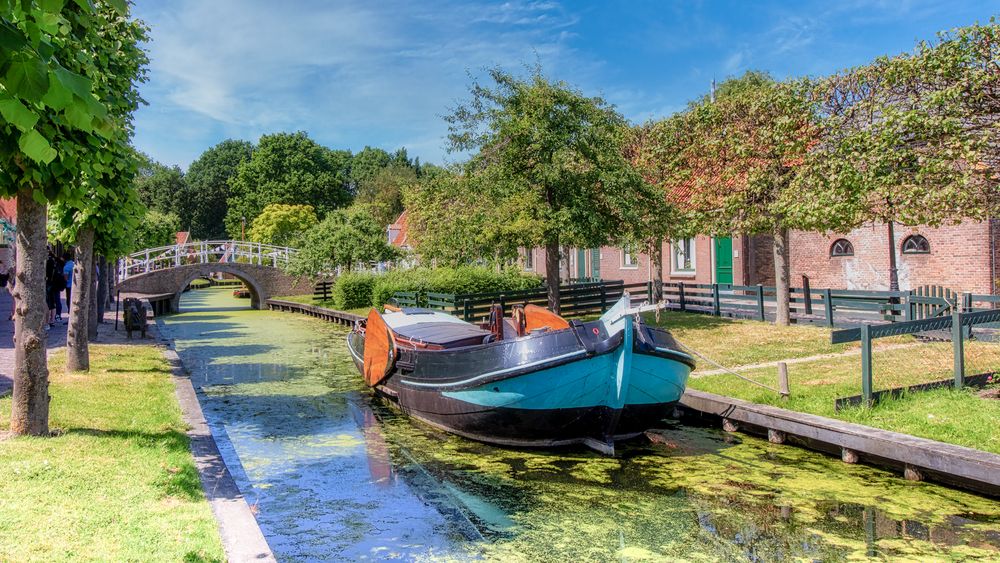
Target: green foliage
point(383, 191)
point(288, 168)
point(463, 279)
point(281, 224)
point(353, 290)
point(910, 138)
point(160, 187)
point(156, 229)
point(204, 203)
point(550, 158)
point(454, 220)
point(344, 239)
point(366, 165)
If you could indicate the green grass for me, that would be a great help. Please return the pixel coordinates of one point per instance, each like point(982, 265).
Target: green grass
point(200, 283)
point(117, 482)
point(958, 417)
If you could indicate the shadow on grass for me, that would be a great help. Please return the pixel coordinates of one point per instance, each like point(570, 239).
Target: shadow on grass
point(178, 482)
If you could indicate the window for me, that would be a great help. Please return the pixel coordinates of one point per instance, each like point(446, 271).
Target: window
point(682, 256)
point(529, 258)
point(629, 258)
point(916, 244)
point(841, 247)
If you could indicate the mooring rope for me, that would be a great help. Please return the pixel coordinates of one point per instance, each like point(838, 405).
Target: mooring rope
point(724, 368)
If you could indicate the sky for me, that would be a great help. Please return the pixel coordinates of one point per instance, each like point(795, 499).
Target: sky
point(383, 73)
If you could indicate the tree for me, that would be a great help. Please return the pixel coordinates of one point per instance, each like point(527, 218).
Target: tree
point(159, 186)
point(55, 61)
point(281, 224)
point(553, 158)
point(344, 238)
point(366, 164)
point(383, 192)
point(477, 228)
point(288, 168)
point(747, 149)
point(204, 204)
point(655, 149)
point(910, 139)
point(156, 229)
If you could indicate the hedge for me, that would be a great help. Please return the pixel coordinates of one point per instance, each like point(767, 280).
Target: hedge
point(464, 279)
point(353, 290)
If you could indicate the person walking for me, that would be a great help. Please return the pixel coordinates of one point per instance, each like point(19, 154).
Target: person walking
point(4, 276)
point(50, 295)
point(68, 275)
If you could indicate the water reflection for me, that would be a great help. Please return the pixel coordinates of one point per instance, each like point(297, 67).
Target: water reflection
point(335, 474)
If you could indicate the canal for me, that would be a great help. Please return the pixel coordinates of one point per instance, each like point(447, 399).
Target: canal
point(333, 474)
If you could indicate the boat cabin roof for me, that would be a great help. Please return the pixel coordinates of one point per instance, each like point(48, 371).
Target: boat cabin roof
point(435, 328)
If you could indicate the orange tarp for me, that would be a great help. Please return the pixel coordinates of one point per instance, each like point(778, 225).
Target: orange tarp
point(539, 317)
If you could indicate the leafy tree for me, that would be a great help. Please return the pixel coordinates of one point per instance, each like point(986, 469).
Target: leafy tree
point(746, 151)
point(477, 228)
point(655, 149)
point(345, 238)
point(288, 168)
point(204, 204)
point(383, 192)
point(551, 159)
point(156, 229)
point(367, 163)
point(909, 139)
point(281, 224)
point(58, 85)
point(159, 186)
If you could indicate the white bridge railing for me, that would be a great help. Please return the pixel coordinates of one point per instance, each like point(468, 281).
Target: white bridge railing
point(203, 252)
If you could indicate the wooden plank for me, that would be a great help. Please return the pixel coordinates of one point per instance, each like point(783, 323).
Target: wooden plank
point(946, 459)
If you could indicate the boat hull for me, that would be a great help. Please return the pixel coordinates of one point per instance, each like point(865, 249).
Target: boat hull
point(591, 393)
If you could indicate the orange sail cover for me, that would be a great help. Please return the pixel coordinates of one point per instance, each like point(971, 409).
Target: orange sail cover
point(380, 349)
point(539, 317)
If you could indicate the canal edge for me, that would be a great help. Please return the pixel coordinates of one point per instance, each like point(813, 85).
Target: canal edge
point(241, 536)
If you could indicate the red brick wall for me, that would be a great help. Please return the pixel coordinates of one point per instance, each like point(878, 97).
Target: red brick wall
point(959, 258)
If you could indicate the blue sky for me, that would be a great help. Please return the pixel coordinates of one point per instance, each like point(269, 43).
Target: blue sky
point(382, 73)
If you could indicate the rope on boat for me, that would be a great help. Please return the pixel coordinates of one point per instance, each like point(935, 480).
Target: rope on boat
point(724, 368)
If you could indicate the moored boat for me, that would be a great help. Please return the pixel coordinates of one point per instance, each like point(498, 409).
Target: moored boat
point(532, 379)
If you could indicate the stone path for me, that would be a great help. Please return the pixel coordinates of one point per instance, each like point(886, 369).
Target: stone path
point(56, 338)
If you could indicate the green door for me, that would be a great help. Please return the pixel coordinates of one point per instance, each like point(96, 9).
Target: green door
point(595, 264)
point(581, 263)
point(724, 260)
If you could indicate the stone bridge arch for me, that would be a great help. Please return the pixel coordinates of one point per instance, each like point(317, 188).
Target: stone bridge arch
point(264, 282)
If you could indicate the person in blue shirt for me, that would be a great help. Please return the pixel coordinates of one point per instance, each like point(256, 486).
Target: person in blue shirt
point(68, 274)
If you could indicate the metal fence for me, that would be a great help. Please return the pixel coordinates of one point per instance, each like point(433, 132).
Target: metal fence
point(954, 350)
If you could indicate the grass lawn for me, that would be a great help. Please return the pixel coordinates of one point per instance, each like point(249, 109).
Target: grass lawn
point(958, 417)
point(118, 481)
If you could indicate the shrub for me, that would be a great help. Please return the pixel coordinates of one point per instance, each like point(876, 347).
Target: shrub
point(353, 290)
point(464, 279)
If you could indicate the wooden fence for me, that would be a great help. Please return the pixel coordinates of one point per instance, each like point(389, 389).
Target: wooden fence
point(830, 307)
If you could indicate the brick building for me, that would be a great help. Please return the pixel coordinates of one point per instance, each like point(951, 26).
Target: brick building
point(961, 257)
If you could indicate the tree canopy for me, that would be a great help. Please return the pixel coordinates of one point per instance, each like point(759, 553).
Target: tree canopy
point(205, 200)
point(551, 159)
point(159, 187)
point(343, 239)
point(156, 229)
point(288, 168)
point(281, 224)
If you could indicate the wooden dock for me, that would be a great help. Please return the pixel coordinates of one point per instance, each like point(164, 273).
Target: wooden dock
point(918, 458)
point(331, 315)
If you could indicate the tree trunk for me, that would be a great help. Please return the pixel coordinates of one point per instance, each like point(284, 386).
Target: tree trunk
point(552, 274)
point(893, 270)
point(102, 289)
point(781, 277)
point(92, 288)
point(567, 272)
point(29, 412)
point(77, 349)
point(656, 255)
